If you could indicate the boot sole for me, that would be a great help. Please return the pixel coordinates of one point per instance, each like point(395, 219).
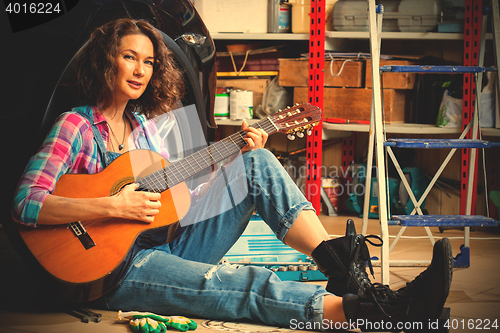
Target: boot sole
point(447, 271)
point(442, 267)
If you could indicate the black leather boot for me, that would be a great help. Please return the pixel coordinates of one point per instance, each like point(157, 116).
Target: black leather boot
point(435, 280)
point(343, 260)
point(412, 308)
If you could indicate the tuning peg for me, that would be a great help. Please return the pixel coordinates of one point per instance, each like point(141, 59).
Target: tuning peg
point(291, 137)
point(309, 132)
point(300, 134)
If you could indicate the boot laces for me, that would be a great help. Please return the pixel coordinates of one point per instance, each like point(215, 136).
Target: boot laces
point(361, 258)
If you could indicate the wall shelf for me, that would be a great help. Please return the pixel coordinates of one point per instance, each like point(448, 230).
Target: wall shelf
point(343, 35)
point(406, 128)
point(247, 74)
point(403, 128)
point(263, 36)
point(396, 35)
point(490, 131)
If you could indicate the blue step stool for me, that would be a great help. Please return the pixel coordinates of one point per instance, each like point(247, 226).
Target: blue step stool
point(439, 144)
point(462, 259)
point(444, 220)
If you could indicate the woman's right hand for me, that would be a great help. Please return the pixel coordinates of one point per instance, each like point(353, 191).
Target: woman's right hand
point(127, 204)
point(137, 205)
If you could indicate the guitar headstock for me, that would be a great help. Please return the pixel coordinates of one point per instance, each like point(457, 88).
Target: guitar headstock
point(296, 119)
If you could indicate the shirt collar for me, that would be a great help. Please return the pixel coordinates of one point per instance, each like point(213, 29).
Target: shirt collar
point(97, 116)
point(100, 119)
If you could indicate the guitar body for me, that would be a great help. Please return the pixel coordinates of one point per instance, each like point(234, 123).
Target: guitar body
point(80, 273)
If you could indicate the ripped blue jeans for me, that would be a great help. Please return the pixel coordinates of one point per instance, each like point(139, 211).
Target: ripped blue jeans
point(184, 278)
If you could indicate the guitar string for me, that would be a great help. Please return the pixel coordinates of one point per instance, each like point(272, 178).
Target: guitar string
point(235, 147)
point(153, 179)
point(153, 182)
point(156, 180)
point(207, 164)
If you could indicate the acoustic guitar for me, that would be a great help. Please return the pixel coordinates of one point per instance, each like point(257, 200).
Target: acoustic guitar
point(83, 260)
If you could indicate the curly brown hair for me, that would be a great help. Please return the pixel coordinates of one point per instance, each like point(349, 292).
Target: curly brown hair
point(94, 69)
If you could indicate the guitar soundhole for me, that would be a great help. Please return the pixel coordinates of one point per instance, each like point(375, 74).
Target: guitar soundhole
point(117, 187)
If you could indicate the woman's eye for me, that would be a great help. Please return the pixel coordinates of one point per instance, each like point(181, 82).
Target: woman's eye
point(128, 56)
point(149, 62)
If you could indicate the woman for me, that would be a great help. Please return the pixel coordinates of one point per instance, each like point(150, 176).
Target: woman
point(124, 76)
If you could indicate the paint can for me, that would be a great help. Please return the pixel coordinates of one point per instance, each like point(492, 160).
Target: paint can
point(221, 107)
point(241, 104)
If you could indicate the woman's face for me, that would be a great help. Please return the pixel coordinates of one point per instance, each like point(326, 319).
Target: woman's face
point(134, 60)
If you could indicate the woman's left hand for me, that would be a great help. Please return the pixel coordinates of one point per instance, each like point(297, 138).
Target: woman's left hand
point(255, 138)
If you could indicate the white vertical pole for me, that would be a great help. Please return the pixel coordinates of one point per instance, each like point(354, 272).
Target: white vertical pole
point(379, 140)
point(371, 143)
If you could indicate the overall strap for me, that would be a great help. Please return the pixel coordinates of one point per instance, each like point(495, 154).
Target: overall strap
point(103, 152)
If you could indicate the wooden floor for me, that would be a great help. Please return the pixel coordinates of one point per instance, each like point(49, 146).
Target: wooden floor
point(474, 298)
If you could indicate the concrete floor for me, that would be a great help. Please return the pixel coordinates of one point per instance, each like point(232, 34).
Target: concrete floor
point(474, 298)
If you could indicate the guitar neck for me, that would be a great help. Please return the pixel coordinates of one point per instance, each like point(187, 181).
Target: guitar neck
point(191, 165)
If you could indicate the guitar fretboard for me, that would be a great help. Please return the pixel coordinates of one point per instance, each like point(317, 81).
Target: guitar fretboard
point(177, 172)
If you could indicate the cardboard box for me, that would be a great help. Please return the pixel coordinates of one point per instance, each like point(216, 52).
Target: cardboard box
point(295, 73)
point(268, 61)
point(355, 103)
point(393, 80)
point(233, 16)
point(258, 86)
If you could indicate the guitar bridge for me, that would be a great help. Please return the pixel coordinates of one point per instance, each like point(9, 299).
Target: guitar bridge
point(81, 233)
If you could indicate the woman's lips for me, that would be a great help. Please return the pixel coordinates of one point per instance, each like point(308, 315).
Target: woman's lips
point(135, 84)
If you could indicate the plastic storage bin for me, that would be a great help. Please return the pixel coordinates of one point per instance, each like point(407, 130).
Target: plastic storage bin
point(352, 15)
point(419, 15)
point(399, 15)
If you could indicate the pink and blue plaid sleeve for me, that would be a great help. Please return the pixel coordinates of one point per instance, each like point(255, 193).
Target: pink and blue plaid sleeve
point(57, 155)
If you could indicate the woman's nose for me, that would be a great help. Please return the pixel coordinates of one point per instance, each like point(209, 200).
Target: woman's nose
point(139, 70)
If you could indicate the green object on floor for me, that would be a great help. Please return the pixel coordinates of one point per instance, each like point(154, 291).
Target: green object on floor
point(147, 322)
point(147, 325)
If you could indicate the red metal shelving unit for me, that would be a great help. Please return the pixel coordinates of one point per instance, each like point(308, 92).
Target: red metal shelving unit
point(472, 35)
point(315, 97)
